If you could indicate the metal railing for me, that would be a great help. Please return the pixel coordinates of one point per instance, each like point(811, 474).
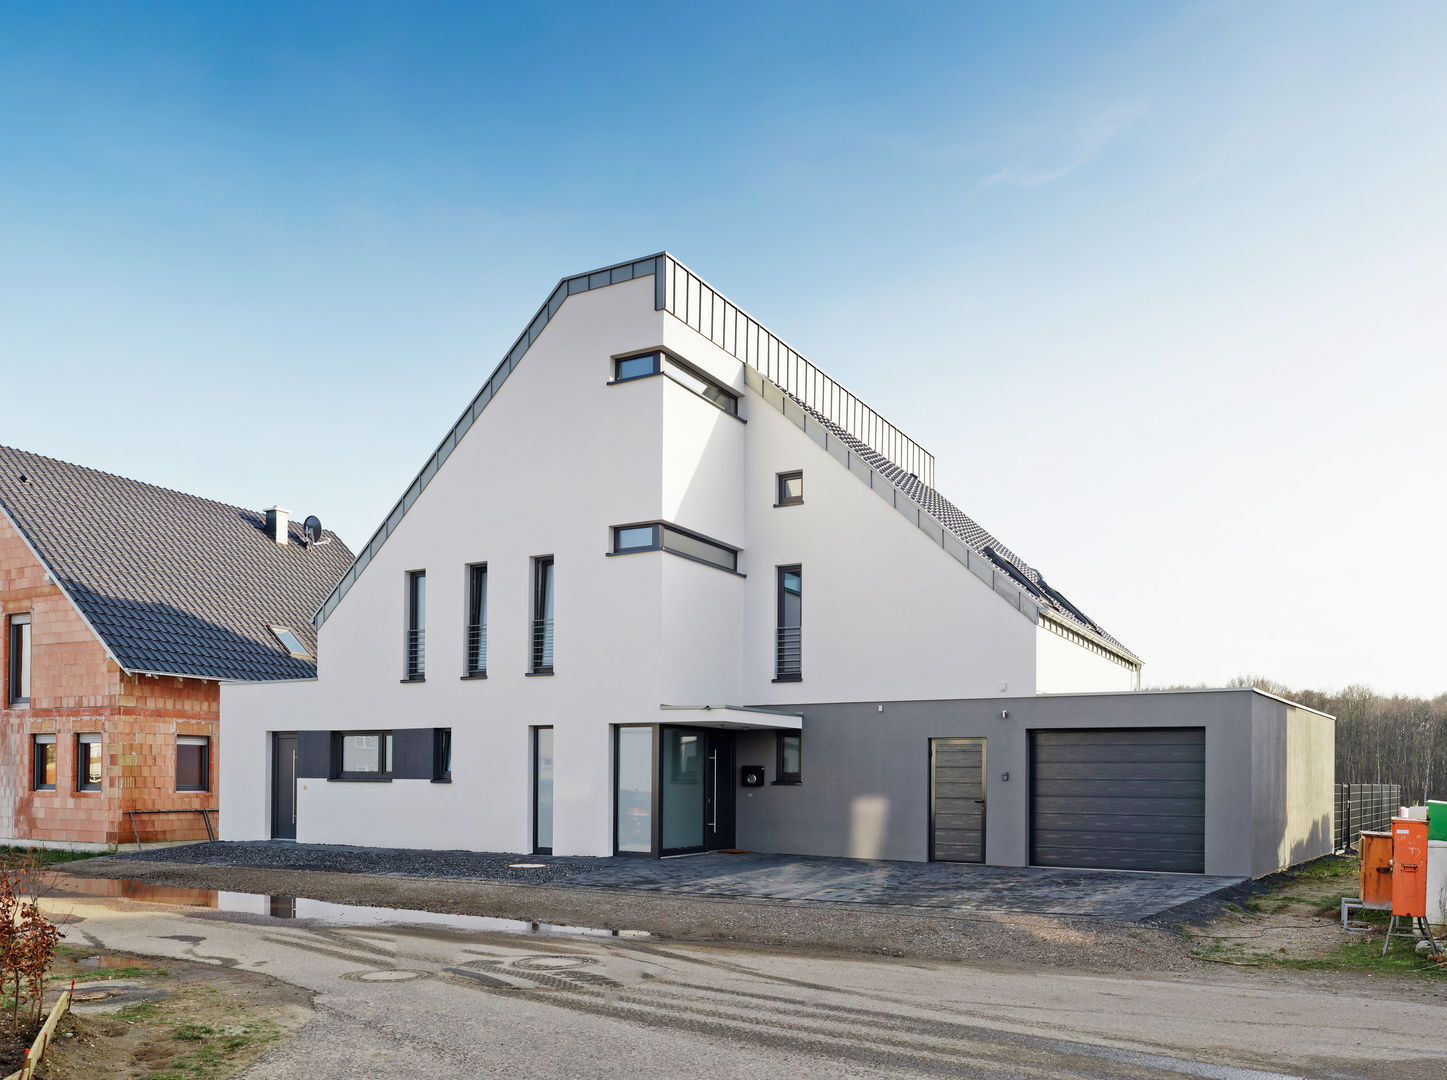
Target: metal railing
point(542, 645)
point(416, 654)
point(788, 660)
point(477, 649)
point(693, 301)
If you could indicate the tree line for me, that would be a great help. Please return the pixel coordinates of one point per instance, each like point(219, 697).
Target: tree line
point(1380, 739)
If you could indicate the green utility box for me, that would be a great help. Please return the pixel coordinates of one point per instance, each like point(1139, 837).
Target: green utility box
point(1436, 820)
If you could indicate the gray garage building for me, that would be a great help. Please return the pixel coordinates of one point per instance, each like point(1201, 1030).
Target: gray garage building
point(1231, 782)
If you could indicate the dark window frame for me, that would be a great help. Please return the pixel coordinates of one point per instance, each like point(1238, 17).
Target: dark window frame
point(721, 397)
point(655, 368)
point(780, 775)
point(474, 661)
point(414, 647)
point(82, 761)
point(781, 672)
point(783, 499)
point(539, 849)
point(37, 771)
point(18, 657)
point(442, 755)
point(384, 757)
point(660, 537)
point(205, 745)
point(542, 639)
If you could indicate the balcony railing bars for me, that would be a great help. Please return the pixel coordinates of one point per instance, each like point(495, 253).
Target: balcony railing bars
point(542, 645)
point(477, 649)
point(789, 653)
point(416, 654)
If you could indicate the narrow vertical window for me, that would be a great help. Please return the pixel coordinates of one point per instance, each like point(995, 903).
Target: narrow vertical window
point(542, 629)
point(89, 770)
point(442, 755)
point(788, 655)
point(789, 770)
point(416, 626)
point(543, 790)
point(18, 684)
point(44, 779)
point(477, 621)
point(193, 763)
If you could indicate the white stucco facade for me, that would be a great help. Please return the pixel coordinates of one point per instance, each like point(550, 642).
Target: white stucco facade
point(561, 455)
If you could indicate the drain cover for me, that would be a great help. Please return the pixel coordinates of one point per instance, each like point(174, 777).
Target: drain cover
point(389, 975)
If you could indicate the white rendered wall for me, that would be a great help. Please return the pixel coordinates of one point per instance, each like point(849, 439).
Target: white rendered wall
point(1063, 667)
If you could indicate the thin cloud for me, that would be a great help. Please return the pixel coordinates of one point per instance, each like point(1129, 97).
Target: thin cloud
point(1083, 145)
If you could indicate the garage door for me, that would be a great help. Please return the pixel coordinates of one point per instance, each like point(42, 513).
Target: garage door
point(957, 804)
point(1128, 799)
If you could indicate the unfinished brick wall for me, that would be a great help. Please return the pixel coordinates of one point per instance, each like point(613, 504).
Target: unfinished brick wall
point(76, 689)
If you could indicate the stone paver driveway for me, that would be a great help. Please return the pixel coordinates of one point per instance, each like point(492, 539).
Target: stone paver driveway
point(1113, 894)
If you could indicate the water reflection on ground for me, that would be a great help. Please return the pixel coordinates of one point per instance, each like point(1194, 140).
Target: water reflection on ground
point(300, 907)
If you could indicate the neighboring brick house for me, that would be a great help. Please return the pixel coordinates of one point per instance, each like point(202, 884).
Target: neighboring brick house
point(124, 606)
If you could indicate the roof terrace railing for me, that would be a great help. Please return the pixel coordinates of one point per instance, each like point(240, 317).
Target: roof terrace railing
point(690, 299)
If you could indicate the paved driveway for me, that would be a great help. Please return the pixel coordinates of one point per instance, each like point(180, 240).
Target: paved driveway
point(1113, 894)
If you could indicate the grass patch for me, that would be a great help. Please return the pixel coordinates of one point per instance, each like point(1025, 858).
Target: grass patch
point(14, 856)
point(1401, 959)
point(111, 973)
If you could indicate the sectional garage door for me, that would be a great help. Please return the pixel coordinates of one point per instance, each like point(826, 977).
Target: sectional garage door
point(1125, 799)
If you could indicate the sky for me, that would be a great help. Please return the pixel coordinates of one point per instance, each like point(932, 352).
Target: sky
point(1161, 286)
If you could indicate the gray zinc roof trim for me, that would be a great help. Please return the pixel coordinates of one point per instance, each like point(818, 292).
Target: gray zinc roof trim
point(171, 584)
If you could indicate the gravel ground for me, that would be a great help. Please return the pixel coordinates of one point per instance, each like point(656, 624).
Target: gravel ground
point(339, 859)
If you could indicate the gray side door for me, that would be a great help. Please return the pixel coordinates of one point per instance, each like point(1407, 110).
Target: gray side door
point(1122, 799)
point(957, 800)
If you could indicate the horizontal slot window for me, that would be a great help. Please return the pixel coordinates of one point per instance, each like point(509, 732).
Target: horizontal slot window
point(654, 363)
point(658, 536)
point(636, 367)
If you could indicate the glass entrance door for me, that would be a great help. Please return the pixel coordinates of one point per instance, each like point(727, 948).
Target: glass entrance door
point(696, 806)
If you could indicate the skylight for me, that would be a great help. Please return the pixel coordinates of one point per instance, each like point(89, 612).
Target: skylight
point(291, 642)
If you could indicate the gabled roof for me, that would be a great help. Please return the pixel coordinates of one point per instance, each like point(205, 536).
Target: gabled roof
point(170, 583)
point(887, 451)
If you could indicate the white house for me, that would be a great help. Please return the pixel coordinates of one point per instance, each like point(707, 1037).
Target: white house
point(620, 609)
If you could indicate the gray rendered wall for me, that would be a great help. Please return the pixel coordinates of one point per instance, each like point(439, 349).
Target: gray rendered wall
point(866, 773)
point(1293, 766)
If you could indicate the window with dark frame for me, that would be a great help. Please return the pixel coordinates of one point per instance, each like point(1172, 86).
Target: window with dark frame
point(788, 770)
point(643, 365)
point(791, 488)
point(193, 763)
point(17, 686)
point(44, 763)
point(89, 765)
point(476, 662)
point(361, 755)
point(442, 755)
point(788, 665)
point(628, 539)
point(542, 623)
point(416, 648)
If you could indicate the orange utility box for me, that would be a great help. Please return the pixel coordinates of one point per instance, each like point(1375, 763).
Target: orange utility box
point(1409, 868)
point(1376, 871)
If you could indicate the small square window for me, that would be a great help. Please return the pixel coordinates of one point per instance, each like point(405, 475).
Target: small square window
point(89, 765)
point(791, 488)
point(790, 768)
point(193, 763)
point(44, 755)
point(361, 755)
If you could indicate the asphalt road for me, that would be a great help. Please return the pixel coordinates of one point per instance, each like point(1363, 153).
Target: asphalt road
point(434, 1002)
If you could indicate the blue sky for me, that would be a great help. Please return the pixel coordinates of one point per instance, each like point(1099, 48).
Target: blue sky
point(1161, 286)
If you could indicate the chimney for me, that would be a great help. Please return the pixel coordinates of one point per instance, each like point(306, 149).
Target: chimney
point(276, 519)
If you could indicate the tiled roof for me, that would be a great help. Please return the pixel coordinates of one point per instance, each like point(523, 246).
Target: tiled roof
point(966, 528)
point(172, 583)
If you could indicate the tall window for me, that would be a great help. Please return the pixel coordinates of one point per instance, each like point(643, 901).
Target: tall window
point(417, 625)
point(442, 755)
point(789, 770)
point(44, 763)
point(787, 665)
point(193, 763)
point(19, 683)
point(543, 790)
point(542, 630)
point(89, 770)
point(477, 620)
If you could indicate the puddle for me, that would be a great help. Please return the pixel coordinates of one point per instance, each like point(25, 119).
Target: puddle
point(107, 963)
point(300, 907)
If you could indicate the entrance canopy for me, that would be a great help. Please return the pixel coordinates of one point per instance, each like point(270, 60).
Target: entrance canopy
point(732, 717)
